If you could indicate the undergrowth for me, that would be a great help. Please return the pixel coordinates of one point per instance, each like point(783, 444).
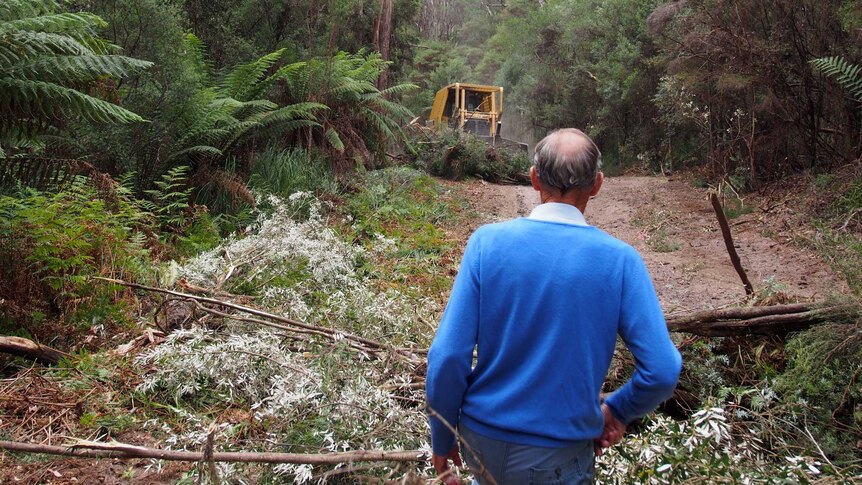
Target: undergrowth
point(455, 154)
point(51, 244)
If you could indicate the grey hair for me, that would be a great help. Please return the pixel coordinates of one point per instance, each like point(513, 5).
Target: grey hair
point(560, 165)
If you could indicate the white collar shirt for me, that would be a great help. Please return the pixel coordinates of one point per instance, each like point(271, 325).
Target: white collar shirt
point(558, 212)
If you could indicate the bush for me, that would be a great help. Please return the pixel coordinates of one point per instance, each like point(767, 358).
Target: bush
point(455, 154)
point(822, 379)
point(50, 244)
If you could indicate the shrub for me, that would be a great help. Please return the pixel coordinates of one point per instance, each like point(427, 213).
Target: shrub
point(822, 379)
point(50, 244)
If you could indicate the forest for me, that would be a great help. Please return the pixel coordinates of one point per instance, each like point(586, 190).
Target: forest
point(227, 233)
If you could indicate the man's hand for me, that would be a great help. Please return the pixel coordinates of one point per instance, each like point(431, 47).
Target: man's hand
point(613, 432)
point(441, 464)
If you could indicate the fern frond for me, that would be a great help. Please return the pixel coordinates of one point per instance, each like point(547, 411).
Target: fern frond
point(21, 46)
point(67, 69)
point(41, 99)
point(243, 81)
point(334, 140)
point(86, 23)
point(196, 150)
point(399, 89)
point(846, 74)
point(286, 73)
point(380, 123)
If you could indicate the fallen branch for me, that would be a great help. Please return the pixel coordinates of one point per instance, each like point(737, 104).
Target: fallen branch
point(31, 350)
point(92, 449)
point(728, 242)
point(291, 325)
point(766, 320)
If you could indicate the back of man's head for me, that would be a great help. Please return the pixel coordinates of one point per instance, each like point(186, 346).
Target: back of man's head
point(567, 159)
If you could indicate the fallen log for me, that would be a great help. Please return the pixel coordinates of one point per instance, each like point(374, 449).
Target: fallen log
point(29, 349)
point(92, 449)
point(765, 320)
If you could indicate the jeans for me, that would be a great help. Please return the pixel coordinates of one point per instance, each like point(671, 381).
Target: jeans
point(514, 464)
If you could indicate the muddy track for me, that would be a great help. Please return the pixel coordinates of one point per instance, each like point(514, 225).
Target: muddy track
point(672, 224)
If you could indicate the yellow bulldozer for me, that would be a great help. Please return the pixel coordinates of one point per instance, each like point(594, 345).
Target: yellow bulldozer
point(470, 107)
point(474, 108)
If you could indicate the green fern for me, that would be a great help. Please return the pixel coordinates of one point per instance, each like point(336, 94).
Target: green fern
point(169, 201)
point(46, 58)
point(846, 74)
point(359, 119)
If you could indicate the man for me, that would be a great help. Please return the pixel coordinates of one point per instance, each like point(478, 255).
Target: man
point(543, 299)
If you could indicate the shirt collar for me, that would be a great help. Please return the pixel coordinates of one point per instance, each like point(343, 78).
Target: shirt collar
point(558, 212)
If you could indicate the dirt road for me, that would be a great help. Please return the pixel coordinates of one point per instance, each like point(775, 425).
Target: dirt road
point(672, 224)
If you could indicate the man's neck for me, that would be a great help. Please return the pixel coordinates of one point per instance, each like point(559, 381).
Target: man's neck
point(573, 197)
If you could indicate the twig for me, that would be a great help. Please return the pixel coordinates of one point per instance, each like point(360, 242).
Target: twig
point(92, 449)
point(850, 218)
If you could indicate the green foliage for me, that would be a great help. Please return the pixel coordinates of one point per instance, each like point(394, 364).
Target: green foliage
point(54, 68)
point(435, 65)
point(235, 111)
point(360, 120)
point(455, 154)
point(846, 74)
point(822, 379)
point(296, 170)
point(400, 203)
point(169, 201)
point(580, 63)
point(53, 243)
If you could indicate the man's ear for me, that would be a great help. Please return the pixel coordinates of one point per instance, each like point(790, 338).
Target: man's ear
point(600, 177)
point(534, 179)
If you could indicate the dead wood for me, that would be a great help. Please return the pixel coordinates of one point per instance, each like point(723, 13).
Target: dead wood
point(728, 242)
point(29, 349)
point(766, 320)
point(290, 324)
point(92, 449)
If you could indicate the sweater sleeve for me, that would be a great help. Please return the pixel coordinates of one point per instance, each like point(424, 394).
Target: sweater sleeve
point(451, 354)
point(644, 331)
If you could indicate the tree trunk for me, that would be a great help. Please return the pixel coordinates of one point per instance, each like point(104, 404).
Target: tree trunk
point(383, 37)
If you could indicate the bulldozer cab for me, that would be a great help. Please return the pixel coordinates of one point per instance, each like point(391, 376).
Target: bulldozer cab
point(470, 107)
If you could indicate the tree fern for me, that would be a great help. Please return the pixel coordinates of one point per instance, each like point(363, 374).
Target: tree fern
point(846, 74)
point(360, 120)
point(46, 59)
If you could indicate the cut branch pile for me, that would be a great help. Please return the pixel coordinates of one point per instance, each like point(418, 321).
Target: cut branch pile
point(216, 307)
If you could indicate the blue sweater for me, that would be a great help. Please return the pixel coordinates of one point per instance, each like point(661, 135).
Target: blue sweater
point(543, 303)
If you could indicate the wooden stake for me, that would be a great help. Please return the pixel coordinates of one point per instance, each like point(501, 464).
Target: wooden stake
point(728, 242)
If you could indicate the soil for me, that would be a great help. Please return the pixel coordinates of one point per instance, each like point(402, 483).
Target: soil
point(673, 226)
